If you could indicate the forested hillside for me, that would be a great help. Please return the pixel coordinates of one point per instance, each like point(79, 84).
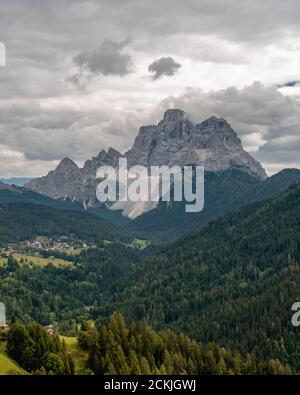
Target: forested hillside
point(14, 194)
point(64, 295)
point(137, 349)
point(38, 352)
point(224, 192)
point(233, 282)
point(23, 221)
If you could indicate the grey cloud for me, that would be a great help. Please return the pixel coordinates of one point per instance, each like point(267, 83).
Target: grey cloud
point(262, 116)
point(164, 67)
point(289, 84)
point(238, 20)
point(265, 119)
point(274, 152)
point(41, 43)
point(81, 80)
point(48, 134)
point(108, 59)
point(255, 105)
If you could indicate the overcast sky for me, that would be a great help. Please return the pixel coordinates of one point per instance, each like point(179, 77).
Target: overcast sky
point(84, 75)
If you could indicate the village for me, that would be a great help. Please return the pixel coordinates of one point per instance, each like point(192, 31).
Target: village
point(42, 243)
point(42, 251)
point(62, 243)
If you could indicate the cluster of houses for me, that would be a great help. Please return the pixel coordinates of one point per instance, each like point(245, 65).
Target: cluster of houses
point(48, 244)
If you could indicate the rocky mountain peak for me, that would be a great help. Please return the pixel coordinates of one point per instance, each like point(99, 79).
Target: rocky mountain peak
point(113, 152)
point(104, 158)
point(175, 140)
point(214, 122)
point(173, 115)
point(66, 163)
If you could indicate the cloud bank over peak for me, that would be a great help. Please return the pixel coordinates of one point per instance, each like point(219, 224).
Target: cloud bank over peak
point(267, 121)
point(75, 84)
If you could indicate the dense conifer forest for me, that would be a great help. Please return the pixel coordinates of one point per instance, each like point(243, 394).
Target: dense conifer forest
point(37, 352)
point(233, 282)
point(116, 348)
point(23, 221)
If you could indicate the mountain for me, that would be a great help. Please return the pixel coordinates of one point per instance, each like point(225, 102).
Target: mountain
point(232, 177)
point(25, 214)
point(8, 187)
point(174, 141)
point(177, 141)
point(18, 181)
point(63, 182)
point(233, 282)
point(224, 191)
point(70, 182)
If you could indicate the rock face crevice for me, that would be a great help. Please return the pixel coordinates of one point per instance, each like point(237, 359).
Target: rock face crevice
point(175, 140)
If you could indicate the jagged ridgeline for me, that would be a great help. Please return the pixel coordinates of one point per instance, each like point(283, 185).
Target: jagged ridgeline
point(233, 177)
point(175, 140)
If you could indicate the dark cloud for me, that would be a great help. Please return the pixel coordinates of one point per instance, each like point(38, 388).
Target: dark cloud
point(289, 84)
point(108, 59)
point(278, 151)
point(164, 67)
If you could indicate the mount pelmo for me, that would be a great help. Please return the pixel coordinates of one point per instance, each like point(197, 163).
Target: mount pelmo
point(175, 140)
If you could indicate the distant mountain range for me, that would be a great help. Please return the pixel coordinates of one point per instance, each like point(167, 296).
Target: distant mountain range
point(19, 181)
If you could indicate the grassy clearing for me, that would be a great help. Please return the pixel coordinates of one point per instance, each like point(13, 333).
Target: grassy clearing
point(3, 261)
point(36, 260)
point(75, 251)
point(7, 365)
point(79, 357)
point(140, 243)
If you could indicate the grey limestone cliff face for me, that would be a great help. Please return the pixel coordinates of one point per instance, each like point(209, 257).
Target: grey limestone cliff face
point(175, 140)
point(68, 181)
point(63, 182)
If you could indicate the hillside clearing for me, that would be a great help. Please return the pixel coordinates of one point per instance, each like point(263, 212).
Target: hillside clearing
point(39, 261)
point(79, 357)
point(9, 367)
